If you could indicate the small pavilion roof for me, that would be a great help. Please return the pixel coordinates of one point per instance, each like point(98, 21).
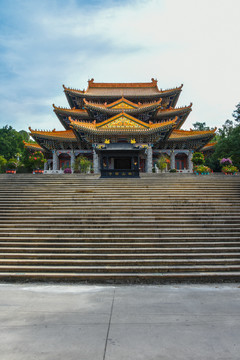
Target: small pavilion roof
point(33, 146)
point(67, 135)
point(209, 146)
point(191, 134)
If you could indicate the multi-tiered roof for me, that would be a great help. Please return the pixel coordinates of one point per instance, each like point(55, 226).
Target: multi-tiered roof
point(117, 111)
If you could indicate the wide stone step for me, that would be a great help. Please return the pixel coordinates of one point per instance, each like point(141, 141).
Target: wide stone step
point(204, 197)
point(141, 216)
point(65, 240)
point(122, 256)
point(126, 204)
point(120, 197)
point(119, 269)
point(122, 234)
point(102, 210)
point(110, 244)
point(120, 262)
point(126, 222)
point(62, 242)
point(123, 249)
point(165, 212)
point(122, 231)
point(117, 226)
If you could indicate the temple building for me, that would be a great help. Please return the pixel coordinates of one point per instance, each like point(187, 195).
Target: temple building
point(123, 128)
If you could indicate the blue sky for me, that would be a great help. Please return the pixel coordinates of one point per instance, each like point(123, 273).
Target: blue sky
point(47, 43)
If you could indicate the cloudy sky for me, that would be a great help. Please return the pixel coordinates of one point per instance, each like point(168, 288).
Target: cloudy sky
point(47, 43)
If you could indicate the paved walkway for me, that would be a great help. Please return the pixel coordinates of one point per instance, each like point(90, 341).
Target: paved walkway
point(77, 322)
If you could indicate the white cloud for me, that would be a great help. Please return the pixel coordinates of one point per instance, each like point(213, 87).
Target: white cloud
point(190, 42)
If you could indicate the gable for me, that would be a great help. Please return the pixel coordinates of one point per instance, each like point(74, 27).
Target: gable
point(123, 105)
point(122, 122)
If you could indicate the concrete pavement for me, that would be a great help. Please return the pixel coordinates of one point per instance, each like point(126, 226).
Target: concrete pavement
point(86, 322)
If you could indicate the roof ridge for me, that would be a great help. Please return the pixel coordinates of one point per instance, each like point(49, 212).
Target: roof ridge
point(92, 84)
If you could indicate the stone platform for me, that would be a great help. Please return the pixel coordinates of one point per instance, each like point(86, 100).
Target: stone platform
point(186, 322)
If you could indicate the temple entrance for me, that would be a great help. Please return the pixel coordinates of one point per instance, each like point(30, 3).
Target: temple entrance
point(119, 160)
point(122, 163)
point(181, 161)
point(64, 161)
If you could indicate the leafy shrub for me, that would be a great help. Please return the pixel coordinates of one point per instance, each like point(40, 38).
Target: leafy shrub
point(162, 162)
point(172, 170)
point(229, 169)
point(202, 169)
point(82, 164)
point(12, 164)
point(198, 158)
point(37, 160)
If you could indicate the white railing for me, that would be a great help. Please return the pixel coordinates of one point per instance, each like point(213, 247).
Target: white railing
point(53, 172)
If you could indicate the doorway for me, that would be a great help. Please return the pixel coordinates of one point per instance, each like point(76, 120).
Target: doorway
point(122, 163)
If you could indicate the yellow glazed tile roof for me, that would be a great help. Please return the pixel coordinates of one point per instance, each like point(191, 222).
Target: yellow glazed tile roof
point(123, 122)
point(67, 134)
point(181, 134)
point(209, 145)
point(123, 104)
point(67, 110)
point(32, 146)
point(122, 89)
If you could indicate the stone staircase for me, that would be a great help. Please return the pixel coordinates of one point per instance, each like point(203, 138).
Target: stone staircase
point(159, 228)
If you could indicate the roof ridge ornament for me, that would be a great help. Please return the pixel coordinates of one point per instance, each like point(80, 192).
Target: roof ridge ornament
point(90, 82)
point(154, 81)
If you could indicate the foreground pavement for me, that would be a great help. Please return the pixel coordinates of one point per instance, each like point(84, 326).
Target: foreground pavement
point(83, 322)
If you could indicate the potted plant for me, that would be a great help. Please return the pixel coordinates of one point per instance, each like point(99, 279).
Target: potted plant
point(67, 171)
point(227, 166)
point(202, 170)
point(11, 166)
point(229, 170)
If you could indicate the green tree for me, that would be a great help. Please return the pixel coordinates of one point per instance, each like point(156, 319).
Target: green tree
point(228, 144)
point(11, 142)
point(226, 129)
point(200, 126)
point(3, 163)
point(236, 114)
point(162, 163)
